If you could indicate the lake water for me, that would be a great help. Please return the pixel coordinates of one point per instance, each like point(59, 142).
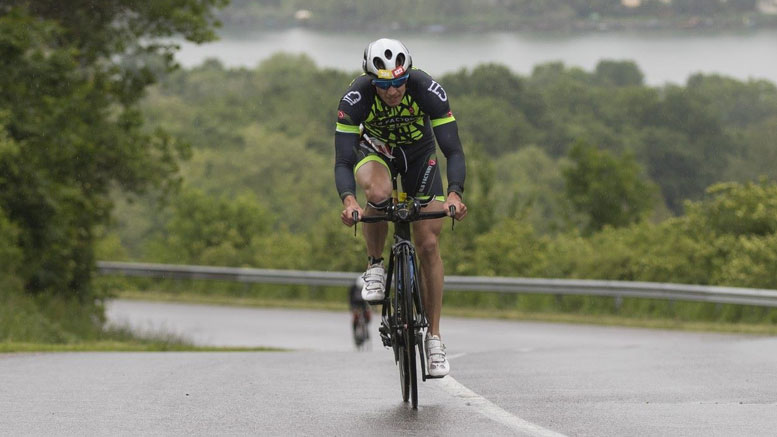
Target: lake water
point(662, 58)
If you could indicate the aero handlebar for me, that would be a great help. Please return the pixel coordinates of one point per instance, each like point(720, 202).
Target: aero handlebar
point(405, 213)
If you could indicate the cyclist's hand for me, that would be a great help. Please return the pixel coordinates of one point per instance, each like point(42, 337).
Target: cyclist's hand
point(350, 206)
point(454, 200)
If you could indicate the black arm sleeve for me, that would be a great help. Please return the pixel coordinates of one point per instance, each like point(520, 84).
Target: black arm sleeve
point(448, 138)
point(345, 159)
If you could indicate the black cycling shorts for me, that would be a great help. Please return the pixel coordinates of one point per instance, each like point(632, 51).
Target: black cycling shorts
point(418, 168)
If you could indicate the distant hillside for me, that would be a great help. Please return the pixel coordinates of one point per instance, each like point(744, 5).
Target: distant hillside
point(499, 15)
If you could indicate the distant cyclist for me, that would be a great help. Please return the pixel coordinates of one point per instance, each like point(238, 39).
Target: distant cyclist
point(360, 314)
point(388, 121)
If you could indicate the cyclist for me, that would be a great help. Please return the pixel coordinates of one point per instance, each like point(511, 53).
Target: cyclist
point(360, 312)
point(387, 121)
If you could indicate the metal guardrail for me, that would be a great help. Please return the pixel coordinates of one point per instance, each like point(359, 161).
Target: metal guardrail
point(617, 289)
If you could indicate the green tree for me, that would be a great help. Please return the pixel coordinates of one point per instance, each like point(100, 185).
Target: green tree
point(751, 263)
point(211, 230)
point(506, 130)
point(511, 248)
point(608, 189)
point(738, 209)
point(736, 103)
point(530, 184)
point(72, 78)
point(619, 73)
point(758, 153)
point(10, 256)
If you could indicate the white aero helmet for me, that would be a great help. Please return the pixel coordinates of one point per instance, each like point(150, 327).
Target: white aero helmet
point(386, 59)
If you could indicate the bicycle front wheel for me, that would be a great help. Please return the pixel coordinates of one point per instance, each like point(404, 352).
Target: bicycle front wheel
point(408, 327)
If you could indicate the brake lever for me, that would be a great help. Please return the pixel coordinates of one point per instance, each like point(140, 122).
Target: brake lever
point(452, 210)
point(355, 216)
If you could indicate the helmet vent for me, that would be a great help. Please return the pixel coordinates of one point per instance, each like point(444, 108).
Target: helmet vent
point(400, 59)
point(378, 63)
point(388, 54)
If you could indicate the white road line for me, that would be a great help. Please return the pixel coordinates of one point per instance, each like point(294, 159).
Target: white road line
point(493, 411)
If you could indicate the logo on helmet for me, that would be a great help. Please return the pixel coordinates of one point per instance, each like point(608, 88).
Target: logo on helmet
point(399, 71)
point(385, 74)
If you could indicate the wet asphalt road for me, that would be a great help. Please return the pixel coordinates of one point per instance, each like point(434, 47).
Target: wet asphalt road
point(508, 378)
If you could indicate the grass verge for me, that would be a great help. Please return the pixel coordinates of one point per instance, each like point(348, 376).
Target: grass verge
point(609, 320)
point(52, 324)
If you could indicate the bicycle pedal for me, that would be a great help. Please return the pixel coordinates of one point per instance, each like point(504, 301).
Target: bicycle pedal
point(384, 335)
point(386, 340)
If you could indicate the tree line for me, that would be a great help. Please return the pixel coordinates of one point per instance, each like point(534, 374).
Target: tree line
point(565, 166)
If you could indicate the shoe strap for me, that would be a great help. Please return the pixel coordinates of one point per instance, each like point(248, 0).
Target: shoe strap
point(436, 349)
point(373, 277)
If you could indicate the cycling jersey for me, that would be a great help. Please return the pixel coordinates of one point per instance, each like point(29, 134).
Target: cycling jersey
point(423, 115)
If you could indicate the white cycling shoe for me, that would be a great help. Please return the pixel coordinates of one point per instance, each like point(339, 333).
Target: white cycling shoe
point(436, 362)
point(374, 288)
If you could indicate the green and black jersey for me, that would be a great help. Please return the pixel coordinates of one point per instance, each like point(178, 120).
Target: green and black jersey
point(423, 115)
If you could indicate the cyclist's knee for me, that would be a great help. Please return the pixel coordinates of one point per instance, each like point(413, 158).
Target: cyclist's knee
point(427, 244)
point(377, 193)
point(376, 184)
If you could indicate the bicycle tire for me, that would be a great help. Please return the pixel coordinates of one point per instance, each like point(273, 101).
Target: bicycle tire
point(399, 341)
point(409, 326)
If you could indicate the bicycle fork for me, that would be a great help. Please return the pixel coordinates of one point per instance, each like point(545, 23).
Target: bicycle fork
point(418, 323)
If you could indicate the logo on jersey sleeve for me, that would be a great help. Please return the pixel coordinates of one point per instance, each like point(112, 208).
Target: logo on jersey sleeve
point(352, 97)
point(437, 89)
point(340, 115)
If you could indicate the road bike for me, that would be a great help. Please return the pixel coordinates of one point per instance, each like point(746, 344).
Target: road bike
point(403, 322)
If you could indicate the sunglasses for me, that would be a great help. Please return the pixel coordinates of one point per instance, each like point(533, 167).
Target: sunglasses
point(385, 84)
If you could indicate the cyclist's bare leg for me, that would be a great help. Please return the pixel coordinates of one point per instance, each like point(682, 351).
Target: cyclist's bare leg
point(375, 180)
point(426, 234)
